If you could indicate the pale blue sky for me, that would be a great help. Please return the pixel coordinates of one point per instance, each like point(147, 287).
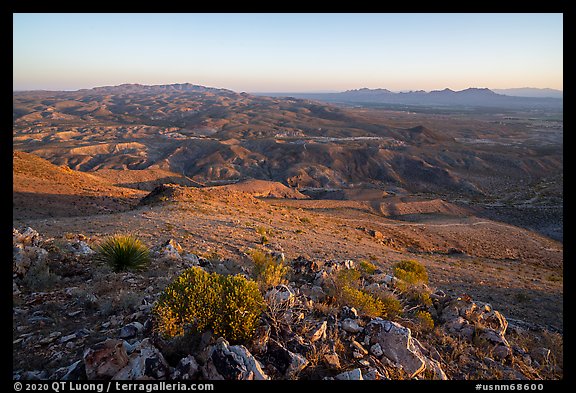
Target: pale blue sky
point(289, 52)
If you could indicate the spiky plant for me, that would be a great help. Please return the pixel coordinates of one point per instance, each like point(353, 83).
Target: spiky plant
point(123, 252)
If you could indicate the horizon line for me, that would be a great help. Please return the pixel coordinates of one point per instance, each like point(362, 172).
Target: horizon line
point(318, 91)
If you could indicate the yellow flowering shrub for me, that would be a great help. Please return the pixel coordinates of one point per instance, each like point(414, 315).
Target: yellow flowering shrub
point(268, 271)
point(197, 301)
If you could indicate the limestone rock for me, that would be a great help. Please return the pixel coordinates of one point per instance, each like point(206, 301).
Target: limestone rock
point(225, 362)
point(145, 362)
point(131, 330)
point(81, 248)
point(351, 326)
point(286, 362)
point(26, 237)
point(105, 359)
point(186, 369)
point(352, 375)
point(396, 343)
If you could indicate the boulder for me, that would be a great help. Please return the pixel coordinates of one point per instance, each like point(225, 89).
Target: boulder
point(352, 375)
point(145, 362)
point(304, 267)
point(81, 248)
point(332, 360)
point(476, 313)
point(23, 257)
point(431, 364)
point(351, 326)
point(75, 372)
point(131, 330)
point(469, 319)
point(397, 345)
point(186, 369)
point(105, 359)
point(171, 250)
point(191, 259)
point(226, 362)
point(314, 292)
point(372, 374)
point(288, 363)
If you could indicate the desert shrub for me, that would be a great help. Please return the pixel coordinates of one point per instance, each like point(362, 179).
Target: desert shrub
point(196, 301)
point(347, 291)
point(347, 277)
point(411, 271)
point(425, 320)
point(123, 252)
point(40, 278)
point(363, 301)
point(419, 296)
point(268, 271)
point(367, 267)
point(263, 232)
point(392, 306)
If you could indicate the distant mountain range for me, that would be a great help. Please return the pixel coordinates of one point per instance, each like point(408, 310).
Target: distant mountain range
point(477, 97)
point(531, 92)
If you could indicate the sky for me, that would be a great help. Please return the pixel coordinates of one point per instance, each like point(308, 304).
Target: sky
point(289, 52)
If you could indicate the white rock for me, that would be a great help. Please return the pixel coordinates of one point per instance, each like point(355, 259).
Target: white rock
point(396, 343)
point(281, 294)
point(376, 350)
point(319, 332)
point(225, 362)
point(351, 326)
point(352, 375)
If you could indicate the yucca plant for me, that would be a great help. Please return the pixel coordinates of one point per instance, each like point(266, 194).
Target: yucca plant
point(123, 252)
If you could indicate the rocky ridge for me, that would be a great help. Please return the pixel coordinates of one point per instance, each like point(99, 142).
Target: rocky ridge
point(77, 330)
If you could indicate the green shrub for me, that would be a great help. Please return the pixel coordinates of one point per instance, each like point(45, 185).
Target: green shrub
point(264, 233)
point(419, 296)
point(347, 277)
point(347, 291)
point(268, 271)
point(411, 271)
point(40, 278)
point(197, 301)
point(123, 252)
point(367, 267)
point(425, 320)
point(363, 301)
point(392, 306)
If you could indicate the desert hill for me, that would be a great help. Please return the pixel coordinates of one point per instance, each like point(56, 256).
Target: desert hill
point(266, 189)
point(42, 189)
